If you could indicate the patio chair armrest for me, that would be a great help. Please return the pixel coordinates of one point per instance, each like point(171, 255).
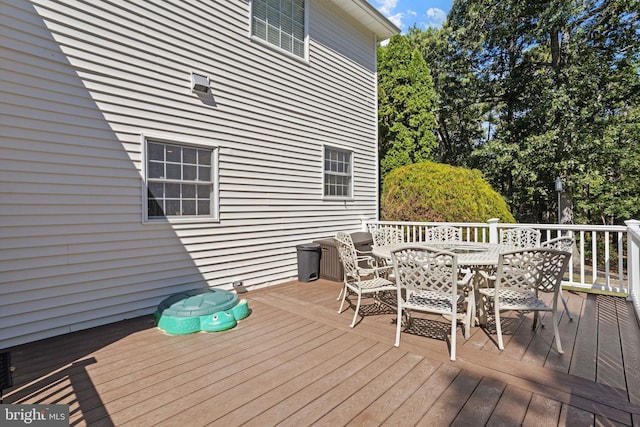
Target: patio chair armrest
point(363, 271)
point(487, 278)
point(468, 276)
point(371, 260)
point(363, 253)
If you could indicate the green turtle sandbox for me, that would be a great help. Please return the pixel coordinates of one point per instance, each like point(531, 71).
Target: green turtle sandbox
point(208, 310)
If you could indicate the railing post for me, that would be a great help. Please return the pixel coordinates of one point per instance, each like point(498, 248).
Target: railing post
point(493, 230)
point(633, 262)
point(363, 224)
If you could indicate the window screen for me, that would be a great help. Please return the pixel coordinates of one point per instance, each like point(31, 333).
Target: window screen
point(280, 23)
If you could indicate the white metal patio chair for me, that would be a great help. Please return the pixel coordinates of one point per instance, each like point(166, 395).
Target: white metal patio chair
point(363, 256)
point(358, 279)
point(443, 233)
point(520, 275)
point(562, 243)
point(387, 236)
point(520, 237)
point(427, 281)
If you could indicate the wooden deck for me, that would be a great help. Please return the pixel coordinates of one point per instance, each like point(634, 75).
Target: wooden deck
point(294, 361)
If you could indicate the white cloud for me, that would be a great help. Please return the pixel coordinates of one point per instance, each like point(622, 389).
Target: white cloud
point(386, 6)
point(396, 19)
point(435, 17)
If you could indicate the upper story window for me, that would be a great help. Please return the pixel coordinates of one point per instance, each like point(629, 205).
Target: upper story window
point(180, 181)
point(338, 173)
point(280, 23)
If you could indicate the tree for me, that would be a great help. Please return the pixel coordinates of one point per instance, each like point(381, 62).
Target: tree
point(458, 113)
point(405, 106)
point(561, 82)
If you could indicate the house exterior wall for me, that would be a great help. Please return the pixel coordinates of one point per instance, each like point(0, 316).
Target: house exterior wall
point(81, 81)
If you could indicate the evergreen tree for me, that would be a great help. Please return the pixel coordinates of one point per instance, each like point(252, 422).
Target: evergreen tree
point(406, 121)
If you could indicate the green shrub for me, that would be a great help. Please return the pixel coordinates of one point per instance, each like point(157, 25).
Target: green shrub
point(429, 191)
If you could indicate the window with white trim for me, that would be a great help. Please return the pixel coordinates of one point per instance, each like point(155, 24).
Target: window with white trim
point(338, 173)
point(280, 23)
point(180, 180)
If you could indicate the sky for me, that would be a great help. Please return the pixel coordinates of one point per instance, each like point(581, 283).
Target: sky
point(405, 13)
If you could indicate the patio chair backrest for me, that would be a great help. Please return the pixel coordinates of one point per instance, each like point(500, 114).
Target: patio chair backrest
point(387, 236)
point(562, 243)
point(443, 233)
point(554, 266)
point(347, 253)
point(528, 270)
point(520, 237)
point(421, 268)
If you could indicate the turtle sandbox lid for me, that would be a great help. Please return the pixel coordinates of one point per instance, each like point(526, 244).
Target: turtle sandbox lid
point(208, 310)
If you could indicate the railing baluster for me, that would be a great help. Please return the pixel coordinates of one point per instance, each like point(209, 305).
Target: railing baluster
point(620, 260)
point(581, 256)
point(607, 261)
point(594, 259)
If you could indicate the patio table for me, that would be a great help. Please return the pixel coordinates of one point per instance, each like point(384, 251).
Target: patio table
point(470, 254)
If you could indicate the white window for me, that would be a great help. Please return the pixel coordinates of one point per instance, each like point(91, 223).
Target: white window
point(181, 181)
point(280, 23)
point(338, 173)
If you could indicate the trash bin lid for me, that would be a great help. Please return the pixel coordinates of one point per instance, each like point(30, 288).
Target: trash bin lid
point(327, 242)
point(308, 247)
point(361, 237)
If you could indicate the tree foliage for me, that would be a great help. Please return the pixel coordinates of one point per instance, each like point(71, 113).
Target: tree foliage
point(429, 191)
point(405, 112)
point(528, 91)
point(458, 112)
point(561, 77)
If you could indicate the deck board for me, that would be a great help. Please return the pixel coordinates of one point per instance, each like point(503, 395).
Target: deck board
point(542, 412)
point(359, 402)
point(211, 380)
point(290, 406)
point(413, 409)
point(451, 401)
point(610, 366)
point(397, 395)
point(512, 407)
point(296, 361)
point(330, 363)
point(571, 416)
point(585, 345)
point(481, 403)
point(630, 343)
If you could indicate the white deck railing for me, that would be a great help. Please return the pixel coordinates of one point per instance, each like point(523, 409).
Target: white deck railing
point(633, 263)
point(605, 258)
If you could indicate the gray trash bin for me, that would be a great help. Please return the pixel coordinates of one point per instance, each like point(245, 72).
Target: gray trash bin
point(308, 262)
point(362, 240)
point(330, 264)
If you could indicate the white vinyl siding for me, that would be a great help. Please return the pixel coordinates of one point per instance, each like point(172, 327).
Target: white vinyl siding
point(82, 80)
